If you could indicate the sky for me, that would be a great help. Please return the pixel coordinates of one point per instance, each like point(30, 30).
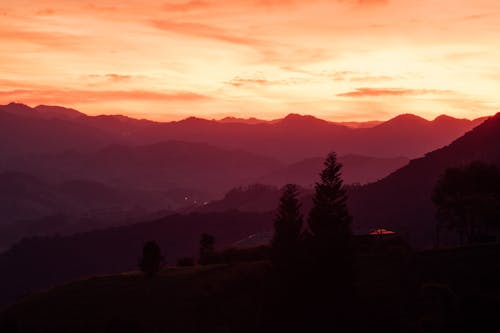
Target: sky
point(338, 59)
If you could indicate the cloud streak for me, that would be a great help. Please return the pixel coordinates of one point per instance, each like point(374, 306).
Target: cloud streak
point(204, 31)
point(381, 92)
point(44, 96)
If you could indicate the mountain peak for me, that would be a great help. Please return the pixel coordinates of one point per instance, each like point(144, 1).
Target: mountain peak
point(58, 112)
point(405, 119)
point(444, 117)
point(295, 118)
point(18, 109)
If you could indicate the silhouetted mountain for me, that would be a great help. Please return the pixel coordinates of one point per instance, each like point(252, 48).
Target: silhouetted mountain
point(30, 206)
point(25, 134)
point(253, 198)
point(53, 260)
point(402, 201)
point(356, 169)
point(160, 166)
point(41, 111)
point(290, 139)
point(249, 121)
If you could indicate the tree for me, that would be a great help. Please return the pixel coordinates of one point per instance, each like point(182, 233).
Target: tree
point(287, 228)
point(330, 277)
point(468, 199)
point(207, 248)
point(329, 220)
point(151, 260)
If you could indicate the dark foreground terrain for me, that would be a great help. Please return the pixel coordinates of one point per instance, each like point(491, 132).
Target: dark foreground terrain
point(452, 290)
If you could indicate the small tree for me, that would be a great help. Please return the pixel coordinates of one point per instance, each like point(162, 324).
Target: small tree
point(287, 227)
point(151, 260)
point(207, 248)
point(468, 199)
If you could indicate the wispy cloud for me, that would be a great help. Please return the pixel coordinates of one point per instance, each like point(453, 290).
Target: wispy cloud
point(186, 6)
point(51, 39)
point(204, 31)
point(375, 92)
point(90, 96)
point(112, 77)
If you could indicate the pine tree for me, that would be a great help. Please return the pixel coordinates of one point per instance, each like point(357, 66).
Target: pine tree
point(328, 239)
point(287, 227)
point(329, 221)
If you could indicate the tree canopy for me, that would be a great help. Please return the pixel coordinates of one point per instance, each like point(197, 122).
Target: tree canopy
point(468, 199)
point(287, 227)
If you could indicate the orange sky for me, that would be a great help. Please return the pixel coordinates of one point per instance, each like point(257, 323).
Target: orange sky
point(336, 59)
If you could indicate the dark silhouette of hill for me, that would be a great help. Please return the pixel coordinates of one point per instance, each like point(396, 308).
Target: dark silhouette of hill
point(296, 137)
point(160, 166)
point(30, 206)
point(289, 139)
point(24, 134)
point(42, 111)
point(356, 169)
point(53, 260)
point(402, 201)
point(253, 198)
point(249, 121)
point(395, 294)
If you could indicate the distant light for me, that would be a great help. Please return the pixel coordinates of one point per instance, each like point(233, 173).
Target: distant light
point(186, 198)
point(381, 231)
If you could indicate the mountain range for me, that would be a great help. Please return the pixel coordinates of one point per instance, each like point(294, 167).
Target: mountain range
point(293, 138)
point(400, 201)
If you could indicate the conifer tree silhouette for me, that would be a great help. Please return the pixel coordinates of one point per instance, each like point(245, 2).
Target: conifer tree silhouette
point(287, 228)
point(329, 220)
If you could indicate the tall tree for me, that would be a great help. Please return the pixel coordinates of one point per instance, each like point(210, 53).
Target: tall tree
point(287, 228)
point(467, 199)
point(329, 220)
point(328, 241)
point(151, 260)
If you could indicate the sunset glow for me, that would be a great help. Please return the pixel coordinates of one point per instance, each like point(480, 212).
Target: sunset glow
point(338, 60)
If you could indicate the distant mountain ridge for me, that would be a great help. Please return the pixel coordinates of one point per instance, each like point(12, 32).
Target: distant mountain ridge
point(290, 139)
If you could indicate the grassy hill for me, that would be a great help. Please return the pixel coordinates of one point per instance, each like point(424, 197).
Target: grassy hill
point(453, 290)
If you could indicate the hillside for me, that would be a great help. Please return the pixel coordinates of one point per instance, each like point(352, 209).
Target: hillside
point(53, 260)
point(449, 289)
point(402, 201)
point(356, 169)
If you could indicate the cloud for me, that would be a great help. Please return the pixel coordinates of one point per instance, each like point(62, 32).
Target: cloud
point(240, 82)
point(186, 6)
point(372, 2)
point(44, 96)
point(376, 92)
point(115, 78)
point(203, 31)
point(45, 12)
point(51, 39)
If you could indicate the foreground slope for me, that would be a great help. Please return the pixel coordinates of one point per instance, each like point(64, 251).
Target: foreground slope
point(37, 263)
point(430, 291)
